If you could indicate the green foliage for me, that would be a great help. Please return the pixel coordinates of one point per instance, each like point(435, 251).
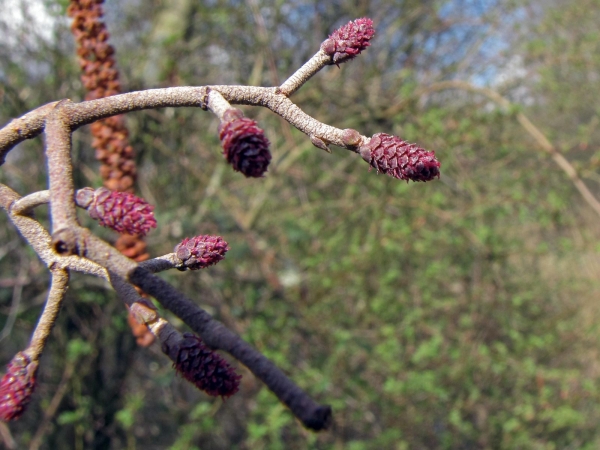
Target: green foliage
point(459, 313)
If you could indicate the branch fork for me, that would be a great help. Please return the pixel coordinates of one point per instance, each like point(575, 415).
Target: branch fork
point(69, 246)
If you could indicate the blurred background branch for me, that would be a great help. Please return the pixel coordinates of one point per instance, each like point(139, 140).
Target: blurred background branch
point(533, 131)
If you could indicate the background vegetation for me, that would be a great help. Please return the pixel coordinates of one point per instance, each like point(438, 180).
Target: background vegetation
point(457, 314)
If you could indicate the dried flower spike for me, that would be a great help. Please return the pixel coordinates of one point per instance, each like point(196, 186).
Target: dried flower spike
point(16, 387)
point(100, 78)
point(348, 41)
point(201, 251)
point(244, 144)
point(399, 159)
point(204, 368)
point(121, 211)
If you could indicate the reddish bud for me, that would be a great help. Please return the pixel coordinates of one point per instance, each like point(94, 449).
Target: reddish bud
point(348, 41)
point(207, 370)
point(16, 387)
point(351, 137)
point(121, 211)
point(244, 144)
point(201, 251)
point(399, 159)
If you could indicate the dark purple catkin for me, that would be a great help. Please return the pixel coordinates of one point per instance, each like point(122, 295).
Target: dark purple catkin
point(348, 41)
point(399, 159)
point(16, 387)
point(244, 144)
point(201, 251)
point(205, 369)
point(121, 211)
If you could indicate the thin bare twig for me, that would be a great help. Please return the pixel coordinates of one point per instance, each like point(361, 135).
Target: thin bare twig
point(25, 127)
point(304, 73)
point(60, 174)
point(217, 104)
point(58, 289)
point(26, 204)
point(79, 114)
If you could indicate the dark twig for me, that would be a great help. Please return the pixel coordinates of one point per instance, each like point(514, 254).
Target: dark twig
point(217, 336)
point(161, 263)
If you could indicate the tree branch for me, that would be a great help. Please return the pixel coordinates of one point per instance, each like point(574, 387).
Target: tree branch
point(304, 73)
point(58, 288)
point(99, 254)
point(60, 172)
point(79, 114)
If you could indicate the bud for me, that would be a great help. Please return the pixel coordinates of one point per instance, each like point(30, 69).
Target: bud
point(399, 159)
point(143, 311)
point(351, 138)
point(348, 41)
point(121, 211)
point(16, 387)
point(201, 251)
point(244, 144)
point(204, 368)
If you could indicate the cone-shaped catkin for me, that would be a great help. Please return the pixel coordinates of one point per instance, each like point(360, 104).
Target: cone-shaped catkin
point(207, 370)
point(121, 211)
point(399, 159)
point(201, 251)
point(16, 387)
point(244, 144)
point(348, 41)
